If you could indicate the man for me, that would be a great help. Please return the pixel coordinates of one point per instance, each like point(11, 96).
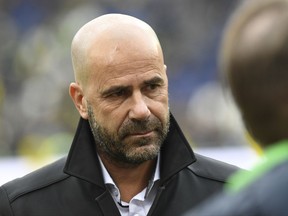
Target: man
point(128, 156)
point(254, 61)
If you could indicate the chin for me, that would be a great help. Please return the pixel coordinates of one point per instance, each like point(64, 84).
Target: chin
point(144, 153)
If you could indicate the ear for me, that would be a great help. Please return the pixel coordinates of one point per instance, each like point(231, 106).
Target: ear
point(76, 93)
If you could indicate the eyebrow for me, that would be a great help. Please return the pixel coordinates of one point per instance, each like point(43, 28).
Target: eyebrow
point(117, 88)
point(154, 80)
point(114, 89)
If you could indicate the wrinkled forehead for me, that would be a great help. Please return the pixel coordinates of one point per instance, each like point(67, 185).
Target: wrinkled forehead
point(128, 67)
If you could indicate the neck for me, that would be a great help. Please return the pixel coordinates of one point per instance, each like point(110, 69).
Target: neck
point(130, 179)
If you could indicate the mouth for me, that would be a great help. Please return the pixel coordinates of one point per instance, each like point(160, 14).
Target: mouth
point(141, 134)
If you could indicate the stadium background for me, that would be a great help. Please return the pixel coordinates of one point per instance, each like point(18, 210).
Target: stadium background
point(37, 117)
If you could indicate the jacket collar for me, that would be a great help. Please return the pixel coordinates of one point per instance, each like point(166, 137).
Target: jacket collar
point(82, 161)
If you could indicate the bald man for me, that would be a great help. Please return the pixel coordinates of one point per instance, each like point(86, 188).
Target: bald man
point(128, 156)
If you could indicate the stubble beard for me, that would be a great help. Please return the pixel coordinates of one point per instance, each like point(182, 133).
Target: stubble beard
point(120, 149)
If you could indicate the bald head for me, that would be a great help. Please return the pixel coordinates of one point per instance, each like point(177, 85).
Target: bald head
point(254, 59)
point(107, 40)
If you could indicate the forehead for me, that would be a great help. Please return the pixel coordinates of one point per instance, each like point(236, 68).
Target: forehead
point(124, 54)
point(126, 61)
point(129, 73)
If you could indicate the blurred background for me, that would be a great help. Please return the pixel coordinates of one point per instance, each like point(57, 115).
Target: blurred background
point(37, 117)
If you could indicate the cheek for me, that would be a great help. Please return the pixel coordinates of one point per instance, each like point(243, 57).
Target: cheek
point(110, 118)
point(160, 107)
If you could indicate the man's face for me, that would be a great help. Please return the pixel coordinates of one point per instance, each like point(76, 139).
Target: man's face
point(128, 108)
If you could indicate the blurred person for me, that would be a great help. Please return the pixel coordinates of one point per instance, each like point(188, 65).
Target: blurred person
point(128, 155)
point(254, 63)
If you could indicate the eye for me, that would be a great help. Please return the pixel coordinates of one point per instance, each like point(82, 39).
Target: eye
point(118, 93)
point(152, 86)
point(152, 89)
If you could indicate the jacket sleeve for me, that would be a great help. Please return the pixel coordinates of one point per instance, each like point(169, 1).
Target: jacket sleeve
point(5, 208)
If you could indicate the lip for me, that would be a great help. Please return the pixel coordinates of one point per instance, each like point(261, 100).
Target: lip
point(141, 134)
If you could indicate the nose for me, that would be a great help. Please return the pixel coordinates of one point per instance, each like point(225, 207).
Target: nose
point(139, 109)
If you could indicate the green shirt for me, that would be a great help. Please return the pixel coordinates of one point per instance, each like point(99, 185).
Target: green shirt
point(272, 156)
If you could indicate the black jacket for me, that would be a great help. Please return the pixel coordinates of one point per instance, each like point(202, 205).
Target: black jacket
point(74, 186)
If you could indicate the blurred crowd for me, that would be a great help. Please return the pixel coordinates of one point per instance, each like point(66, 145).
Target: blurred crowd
point(36, 114)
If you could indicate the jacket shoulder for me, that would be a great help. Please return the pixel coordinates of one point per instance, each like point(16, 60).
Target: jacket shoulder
point(35, 180)
point(212, 169)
